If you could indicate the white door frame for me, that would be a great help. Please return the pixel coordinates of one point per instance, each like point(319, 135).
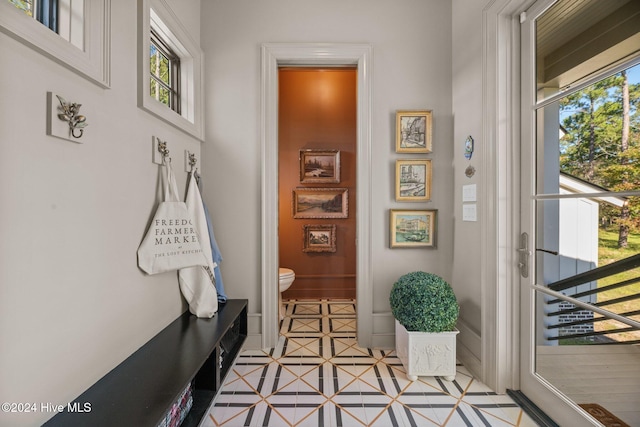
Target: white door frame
point(500, 214)
point(275, 55)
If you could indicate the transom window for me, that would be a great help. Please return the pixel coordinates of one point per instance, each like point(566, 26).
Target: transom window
point(164, 68)
point(170, 69)
point(74, 33)
point(63, 17)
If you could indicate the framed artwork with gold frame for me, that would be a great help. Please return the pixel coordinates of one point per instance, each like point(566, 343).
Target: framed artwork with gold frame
point(413, 180)
point(413, 131)
point(412, 228)
point(320, 203)
point(320, 166)
point(319, 238)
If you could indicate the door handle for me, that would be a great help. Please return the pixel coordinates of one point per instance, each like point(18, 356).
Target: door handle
point(547, 251)
point(525, 253)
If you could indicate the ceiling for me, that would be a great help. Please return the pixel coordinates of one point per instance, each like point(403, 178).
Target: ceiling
point(575, 38)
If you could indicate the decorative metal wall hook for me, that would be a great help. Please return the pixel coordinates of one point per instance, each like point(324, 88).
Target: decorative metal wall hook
point(70, 114)
point(192, 160)
point(162, 148)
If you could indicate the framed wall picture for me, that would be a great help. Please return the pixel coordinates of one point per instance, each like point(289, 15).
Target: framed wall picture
point(412, 228)
point(320, 203)
point(413, 180)
point(320, 166)
point(319, 238)
point(413, 131)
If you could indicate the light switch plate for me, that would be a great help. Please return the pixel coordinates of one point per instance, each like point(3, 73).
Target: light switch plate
point(469, 193)
point(469, 212)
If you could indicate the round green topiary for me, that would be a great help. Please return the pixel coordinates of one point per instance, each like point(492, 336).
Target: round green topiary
point(424, 302)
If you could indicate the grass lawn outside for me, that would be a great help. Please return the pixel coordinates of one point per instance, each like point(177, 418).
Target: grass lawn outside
point(608, 252)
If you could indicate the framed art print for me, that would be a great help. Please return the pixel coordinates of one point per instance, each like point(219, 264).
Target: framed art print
point(412, 228)
point(319, 238)
point(320, 166)
point(413, 131)
point(413, 180)
point(320, 203)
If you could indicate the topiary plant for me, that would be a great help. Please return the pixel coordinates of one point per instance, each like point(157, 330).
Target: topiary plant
point(424, 302)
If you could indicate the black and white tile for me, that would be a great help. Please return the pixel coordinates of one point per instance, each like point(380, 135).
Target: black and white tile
point(318, 376)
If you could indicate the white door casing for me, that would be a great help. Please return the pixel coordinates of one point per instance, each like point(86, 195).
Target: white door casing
point(275, 55)
point(499, 215)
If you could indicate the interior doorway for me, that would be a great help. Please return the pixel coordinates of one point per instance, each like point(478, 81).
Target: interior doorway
point(317, 181)
point(275, 56)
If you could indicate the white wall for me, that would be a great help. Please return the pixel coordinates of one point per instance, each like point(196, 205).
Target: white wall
point(411, 43)
point(467, 106)
point(73, 303)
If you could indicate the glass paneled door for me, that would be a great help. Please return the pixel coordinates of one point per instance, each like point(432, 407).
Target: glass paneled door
point(580, 207)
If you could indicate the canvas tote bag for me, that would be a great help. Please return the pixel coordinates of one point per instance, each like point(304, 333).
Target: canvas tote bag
point(172, 241)
point(198, 284)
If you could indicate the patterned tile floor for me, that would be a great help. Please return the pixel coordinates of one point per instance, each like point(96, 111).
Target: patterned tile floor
point(318, 376)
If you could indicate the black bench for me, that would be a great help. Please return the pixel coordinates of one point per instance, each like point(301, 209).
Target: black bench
point(141, 390)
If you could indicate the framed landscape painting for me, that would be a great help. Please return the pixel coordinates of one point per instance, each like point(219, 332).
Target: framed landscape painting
point(320, 203)
point(413, 180)
point(412, 228)
point(319, 238)
point(413, 131)
point(320, 166)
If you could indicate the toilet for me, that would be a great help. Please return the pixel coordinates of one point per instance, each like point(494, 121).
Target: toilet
point(286, 276)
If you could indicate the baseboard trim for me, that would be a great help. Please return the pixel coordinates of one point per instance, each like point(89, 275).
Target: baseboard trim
point(383, 342)
point(470, 349)
point(469, 360)
point(531, 409)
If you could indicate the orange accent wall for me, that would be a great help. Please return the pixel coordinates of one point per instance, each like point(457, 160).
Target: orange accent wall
point(317, 110)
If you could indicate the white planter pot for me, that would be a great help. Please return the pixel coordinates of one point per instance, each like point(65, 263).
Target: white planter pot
point(427, 354)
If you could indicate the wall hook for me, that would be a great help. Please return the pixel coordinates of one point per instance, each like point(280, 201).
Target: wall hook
point(192, 160)
point(164, 151)
point(70, 114)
